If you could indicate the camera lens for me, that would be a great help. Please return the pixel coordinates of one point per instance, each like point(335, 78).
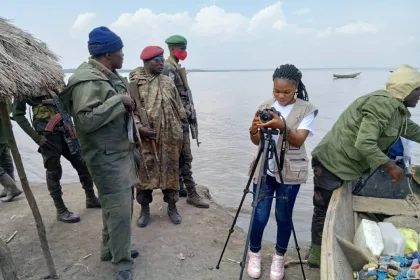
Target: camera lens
point(265, 116)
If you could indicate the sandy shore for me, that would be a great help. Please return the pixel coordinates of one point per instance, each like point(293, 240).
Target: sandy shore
point(167, 252)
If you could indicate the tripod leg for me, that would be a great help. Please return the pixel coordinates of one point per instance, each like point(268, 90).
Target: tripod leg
point(261, 183)
point(289, 214)
point(246, 191)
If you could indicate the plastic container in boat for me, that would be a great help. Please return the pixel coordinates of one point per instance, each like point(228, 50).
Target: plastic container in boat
point(411, 239)
point(368, 238)
point(394, 241)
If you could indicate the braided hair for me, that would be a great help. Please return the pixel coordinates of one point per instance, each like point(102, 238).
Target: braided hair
point(290, 72)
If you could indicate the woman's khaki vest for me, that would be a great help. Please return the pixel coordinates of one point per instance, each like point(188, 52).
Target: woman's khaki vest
point(296, 162)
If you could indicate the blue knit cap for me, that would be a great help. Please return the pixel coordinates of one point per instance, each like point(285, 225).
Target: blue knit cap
point(102, 41)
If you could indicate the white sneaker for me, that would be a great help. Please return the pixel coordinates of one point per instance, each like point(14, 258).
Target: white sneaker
point(277, 268)
point(254, 265)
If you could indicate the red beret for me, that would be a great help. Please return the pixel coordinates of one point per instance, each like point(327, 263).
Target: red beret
point(151, 52)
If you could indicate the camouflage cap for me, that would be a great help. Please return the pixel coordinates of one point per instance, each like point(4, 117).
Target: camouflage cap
point(176, 40)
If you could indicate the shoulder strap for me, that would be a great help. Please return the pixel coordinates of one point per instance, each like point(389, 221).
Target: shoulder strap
point(165, 69)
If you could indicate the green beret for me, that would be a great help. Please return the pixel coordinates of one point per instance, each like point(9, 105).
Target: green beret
point(176, 40)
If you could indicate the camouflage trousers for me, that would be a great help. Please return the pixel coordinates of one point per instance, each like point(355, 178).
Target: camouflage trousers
point(325, 183)
point(185, 172)
point(6, 161)
point(53, 168)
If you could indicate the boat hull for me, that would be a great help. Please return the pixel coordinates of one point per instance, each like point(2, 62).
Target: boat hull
point(349, 76)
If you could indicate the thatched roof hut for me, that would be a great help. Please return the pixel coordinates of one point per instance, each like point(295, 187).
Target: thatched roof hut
point(26, 64)
point(27, 67)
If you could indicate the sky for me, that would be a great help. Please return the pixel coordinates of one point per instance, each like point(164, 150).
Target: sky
point(230, 34)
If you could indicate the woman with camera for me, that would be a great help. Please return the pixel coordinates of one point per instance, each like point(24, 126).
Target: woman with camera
point(290, 99)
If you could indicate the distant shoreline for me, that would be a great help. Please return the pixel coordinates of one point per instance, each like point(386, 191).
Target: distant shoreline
point(260, 70)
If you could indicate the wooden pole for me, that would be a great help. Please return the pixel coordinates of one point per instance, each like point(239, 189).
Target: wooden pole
point(4, 114)
point(7, 266)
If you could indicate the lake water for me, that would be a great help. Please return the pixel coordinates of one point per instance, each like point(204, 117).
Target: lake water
point(225, 104)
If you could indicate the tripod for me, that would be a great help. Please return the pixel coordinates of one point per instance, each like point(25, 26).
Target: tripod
point(266, 151)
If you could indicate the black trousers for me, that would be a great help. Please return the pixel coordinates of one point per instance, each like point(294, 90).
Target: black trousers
point(53, 168)
point(325, 183)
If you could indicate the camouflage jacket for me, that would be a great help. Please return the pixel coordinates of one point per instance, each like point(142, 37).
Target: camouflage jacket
point(171, 69)
point(159, 97)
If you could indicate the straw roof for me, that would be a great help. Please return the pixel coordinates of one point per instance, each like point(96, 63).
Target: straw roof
point(26, 65)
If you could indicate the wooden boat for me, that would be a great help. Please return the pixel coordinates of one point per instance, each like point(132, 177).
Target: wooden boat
point(339, 258)
point(347, 76)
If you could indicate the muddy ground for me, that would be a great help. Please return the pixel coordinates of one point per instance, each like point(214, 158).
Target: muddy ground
point(167, 252)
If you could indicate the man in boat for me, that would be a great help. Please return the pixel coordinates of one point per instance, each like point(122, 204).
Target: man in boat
point(359, 141)
point(161, 125)
point(7, 178)
point(48, 132)
point(96, 96)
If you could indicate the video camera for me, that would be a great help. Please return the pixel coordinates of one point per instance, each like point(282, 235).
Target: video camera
point(265, 115)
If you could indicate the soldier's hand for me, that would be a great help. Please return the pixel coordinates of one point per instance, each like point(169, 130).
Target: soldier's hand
point(146, 132)
point(192, 120)
point(44, 143)
point(394, 170)
point(128, 103)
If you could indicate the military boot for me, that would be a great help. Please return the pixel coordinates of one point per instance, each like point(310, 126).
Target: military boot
point(195, 199)
point(173, 214)
point(9, 185)
point(314, 259)
point(3, 192)
point(91, 200)
point(124, 275)
point(134, 254)
point(144, 215)
point(63, 214)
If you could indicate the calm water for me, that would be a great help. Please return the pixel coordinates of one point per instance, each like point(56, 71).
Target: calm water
point(225, 104)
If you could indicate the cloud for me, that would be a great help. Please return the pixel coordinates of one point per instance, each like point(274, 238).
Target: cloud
point(302, 12)
point(270, 16)
point(82, 21)
point(348, 29)
point(214, 21)
point(356, 28)
point(223, 38)
point(145, 19)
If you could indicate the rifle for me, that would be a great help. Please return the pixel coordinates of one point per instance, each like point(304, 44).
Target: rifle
point(68, 126)
point(143, 117)
point(193, 119)
point(137, 132)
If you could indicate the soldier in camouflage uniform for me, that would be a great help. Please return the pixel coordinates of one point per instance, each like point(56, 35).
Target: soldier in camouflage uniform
point(52, 146)
point(157, 95)
point(7, 179)
point(177, 47)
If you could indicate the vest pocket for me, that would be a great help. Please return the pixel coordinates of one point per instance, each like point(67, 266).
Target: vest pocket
point(295, 170)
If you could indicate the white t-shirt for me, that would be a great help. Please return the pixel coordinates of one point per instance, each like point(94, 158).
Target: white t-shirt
point(306, 123)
